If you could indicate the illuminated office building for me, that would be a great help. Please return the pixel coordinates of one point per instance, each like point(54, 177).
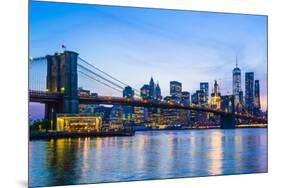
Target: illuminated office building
point(140, 114)
point(216, 97)
point(185, 98)
point(175, 90)
point(204, 87)
point(171, 116)
point(116, 117)
point(128, 111)
point(185, 114)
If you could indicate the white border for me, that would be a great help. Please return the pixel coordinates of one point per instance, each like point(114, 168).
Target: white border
point(13, 40)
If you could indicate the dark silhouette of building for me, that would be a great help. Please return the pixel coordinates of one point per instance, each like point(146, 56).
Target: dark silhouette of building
point(241, 98)
point(158, 92)
point(257, 104)
point(226, 103)
point(152, 89)
point(145, 92)
point(128, 92)
point(249, 89)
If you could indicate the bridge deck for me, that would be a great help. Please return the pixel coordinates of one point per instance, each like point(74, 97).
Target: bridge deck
point(45, 97)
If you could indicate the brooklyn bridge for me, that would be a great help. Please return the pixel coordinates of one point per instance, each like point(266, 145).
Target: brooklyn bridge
point(60, 93)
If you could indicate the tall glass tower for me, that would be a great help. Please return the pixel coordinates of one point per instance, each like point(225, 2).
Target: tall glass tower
point(257, 102)
point(152, 89)
point(204, 86)
point(158, 92)
point(236, 87)
point(236, 84)
point(249, 91)
point(175, 89)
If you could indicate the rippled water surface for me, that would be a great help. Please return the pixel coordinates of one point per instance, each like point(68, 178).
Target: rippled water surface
point(147, 155)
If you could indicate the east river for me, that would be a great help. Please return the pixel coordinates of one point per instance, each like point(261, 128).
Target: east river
point(147, 155)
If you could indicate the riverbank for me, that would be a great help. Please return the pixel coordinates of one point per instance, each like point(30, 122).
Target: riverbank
point(201, 128)
point(51, 135)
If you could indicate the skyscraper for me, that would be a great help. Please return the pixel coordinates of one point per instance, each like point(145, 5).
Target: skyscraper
point(195, 99)
point(145, 95)
point(152, 89)
point(128, 92)
point(128, 111)
point(201, 97)
point(185, 98)
point(216, 97)
point(236, 82)
point(204, 86)
point(241, 97)
point(158, 92)
point(226, 103)
point(116, 118)
point(175, 90)
point(249, 91)
point(257, 103)
point(145, 91)
point(236, 86)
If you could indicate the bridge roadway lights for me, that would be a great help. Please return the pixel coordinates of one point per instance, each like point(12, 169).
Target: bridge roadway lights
point(228, 121)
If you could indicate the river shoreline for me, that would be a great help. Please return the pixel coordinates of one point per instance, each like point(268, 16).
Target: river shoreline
point(54, 135)
point(51, 135)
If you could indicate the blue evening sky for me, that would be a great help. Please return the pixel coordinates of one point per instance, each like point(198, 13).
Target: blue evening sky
point(134, 43)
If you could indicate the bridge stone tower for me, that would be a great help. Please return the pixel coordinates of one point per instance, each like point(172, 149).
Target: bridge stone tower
point(228, 121)
point(62, 78)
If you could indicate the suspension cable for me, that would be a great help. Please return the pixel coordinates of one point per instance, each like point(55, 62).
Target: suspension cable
point(90, 71)
point(107, 74)
point(85, 74)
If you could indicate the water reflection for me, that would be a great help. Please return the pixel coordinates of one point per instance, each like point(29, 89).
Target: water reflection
point(148, 155)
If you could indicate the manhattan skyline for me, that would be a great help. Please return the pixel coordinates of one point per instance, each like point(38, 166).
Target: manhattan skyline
point(186, 46)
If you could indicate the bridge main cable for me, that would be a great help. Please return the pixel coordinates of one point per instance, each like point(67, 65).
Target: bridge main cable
point(115, 79)
point(85, 74)
point(105, 79)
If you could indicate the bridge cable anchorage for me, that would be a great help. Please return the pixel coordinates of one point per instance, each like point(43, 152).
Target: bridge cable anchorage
point(119, 81)
point(85, 74)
